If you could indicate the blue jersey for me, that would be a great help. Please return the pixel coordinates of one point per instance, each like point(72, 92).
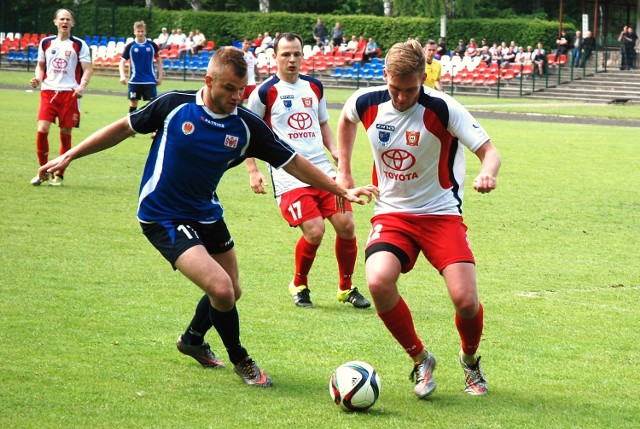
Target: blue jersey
point(192, 149)
point(141, 57)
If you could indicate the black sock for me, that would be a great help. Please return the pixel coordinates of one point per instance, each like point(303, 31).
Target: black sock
point(227, 324)
point(200, 324)
point(132, 109)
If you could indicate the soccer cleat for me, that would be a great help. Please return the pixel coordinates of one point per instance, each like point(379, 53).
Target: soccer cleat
point(422, 374)
point(251, 373)
point(201, 353)
point(37, 181)
point(57, 181)
point(300, 295)
point(354, 297)
point(475, 384)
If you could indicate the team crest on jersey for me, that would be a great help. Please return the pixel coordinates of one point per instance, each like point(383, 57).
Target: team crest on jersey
point(384, 138)
point(307, 102)
point(288, 104)
point(67, 53)
point(231, 141)
point(188, 128)
point(412, 138)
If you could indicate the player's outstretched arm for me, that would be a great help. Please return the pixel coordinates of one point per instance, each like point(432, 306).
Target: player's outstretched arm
point(490, 164)
point(102, 139)
point(257, 181)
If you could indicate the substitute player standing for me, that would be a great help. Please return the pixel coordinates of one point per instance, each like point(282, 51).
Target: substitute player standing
point(293, 105)
point(64, 71)
point(418, 137)
point(252, 68)
point(141, 53)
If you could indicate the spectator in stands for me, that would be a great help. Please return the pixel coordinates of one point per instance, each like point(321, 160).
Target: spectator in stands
point(190, 43)
point(540, 61)
point(337, 33)
point(485, 55)
point(484, 43)
point(540, 48)
point(141, 53)
point(257, 42)
point(252, 69)
point(63, 70)
point(496, 54)
point(171, 40)
point(320, 33)
point(576, 53)
point(442, 48)
point(200, 41)
point(520, 56)
point(432, 67)
point(588, 44)
point(362, 44)
point(343, 45)
point(371, 51)
point(628, 38)
point(352, 46)
point(472, 49)
point(460, 49)
point(564, 43)
point(163, 38)
point(528, 55)
point(508, 58)
point(267, 42)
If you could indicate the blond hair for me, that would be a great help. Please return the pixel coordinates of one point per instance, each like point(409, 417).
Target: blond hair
point(139, 24)
point(405, 58)
point(227, 56)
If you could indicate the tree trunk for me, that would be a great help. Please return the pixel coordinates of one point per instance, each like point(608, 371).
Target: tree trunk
point(387, 8)
point(196, 5)
point(265, 6)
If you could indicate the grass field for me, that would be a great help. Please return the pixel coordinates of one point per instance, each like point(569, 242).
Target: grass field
point(89, 311)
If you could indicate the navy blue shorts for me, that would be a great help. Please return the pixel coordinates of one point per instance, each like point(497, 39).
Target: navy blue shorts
point(142, 91)
point(173, 238)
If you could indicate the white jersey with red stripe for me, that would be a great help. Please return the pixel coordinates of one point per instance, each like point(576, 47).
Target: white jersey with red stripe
point(62, 59)
point(294, 111)
point(419, 162)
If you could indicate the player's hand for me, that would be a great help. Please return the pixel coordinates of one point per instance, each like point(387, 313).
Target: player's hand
point(78, 92)
point(35, 82)
point(354, 194)
point(258, 182)
point(59, 163)
point(484, 183)
point(123, 80)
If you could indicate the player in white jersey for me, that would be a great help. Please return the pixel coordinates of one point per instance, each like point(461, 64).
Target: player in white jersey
point(64, 71)
point(417, 137)
point(293, 105)
point(252, 68)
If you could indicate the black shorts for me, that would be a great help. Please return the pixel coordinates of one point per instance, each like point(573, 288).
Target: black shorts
point(173, 238)
point(142, 91)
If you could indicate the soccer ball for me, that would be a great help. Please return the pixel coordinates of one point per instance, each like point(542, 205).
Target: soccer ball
point(355, 386)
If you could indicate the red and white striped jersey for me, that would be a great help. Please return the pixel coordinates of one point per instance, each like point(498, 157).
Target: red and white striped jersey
point(62, 60)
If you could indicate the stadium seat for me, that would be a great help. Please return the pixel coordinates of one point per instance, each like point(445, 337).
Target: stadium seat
point(446, 78)
point(527, 70)
point(491, 80)
point(562, 60)
point(210, 46)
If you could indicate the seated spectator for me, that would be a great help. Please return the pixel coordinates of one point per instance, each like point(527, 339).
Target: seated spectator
point(200, 41)
point(564, 43)
point(163, 38)
point(352, 46)
point(528, 55)
point(484, 43)
point(190, 43)
point(442, 48)
point(472, 49)
point(362, 44)
point(485, 55)
point(460, 49)
point(520, 56)
point(257, 42)
point(177, 38)
point(496, 56)
point(508, 58)
point(371, 51)
point(267, 42)
point(540, 61)
point(172, 38)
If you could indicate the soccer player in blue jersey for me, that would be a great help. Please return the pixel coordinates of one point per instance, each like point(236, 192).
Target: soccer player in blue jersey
point(200, 135)
point(141, 53)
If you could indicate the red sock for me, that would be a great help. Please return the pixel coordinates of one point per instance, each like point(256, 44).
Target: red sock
point(399, 322)
point(42, 148)
point(65, 145)
point(305, 255)
point(346, 254)
point(470, 331)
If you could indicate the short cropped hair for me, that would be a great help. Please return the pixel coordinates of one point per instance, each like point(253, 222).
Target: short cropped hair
point(405, 58)
point(139, 24)
point(290, 37)
point(55, 15)
point(227, 56)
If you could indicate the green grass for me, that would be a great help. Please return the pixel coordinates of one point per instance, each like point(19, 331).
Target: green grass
point(89, 311)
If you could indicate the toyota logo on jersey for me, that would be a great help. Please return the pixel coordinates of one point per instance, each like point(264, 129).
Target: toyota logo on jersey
point(300, 121)
point(398, 159)
point(59, 63)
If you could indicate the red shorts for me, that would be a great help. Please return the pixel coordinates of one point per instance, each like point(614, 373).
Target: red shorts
point(441, 238)
point(59, 104)
point(247, 91)
point(302, 204)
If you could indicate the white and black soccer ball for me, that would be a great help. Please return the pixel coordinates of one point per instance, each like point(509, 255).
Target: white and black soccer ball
point(355, 386)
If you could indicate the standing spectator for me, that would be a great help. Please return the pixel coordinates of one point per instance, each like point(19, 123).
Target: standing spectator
point(589, 44)
point(576, 53)
point(320, 33)
point(296, 109)
point(199, 136)
point(252, 68)
point(371, 51)
point(420, 170)
point(433, 68)
point(141, 53)
point(163, 38)
point(337, 33)
point(460, 49)
point(628, 38)
point(564, 43)
point(200, 41)
point(64, 71)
